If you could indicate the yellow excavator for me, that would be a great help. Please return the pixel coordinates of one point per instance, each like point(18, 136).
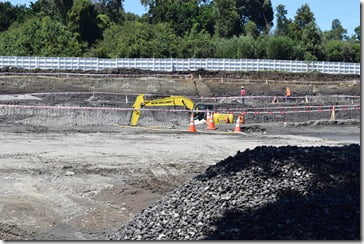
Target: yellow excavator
point(181, 101)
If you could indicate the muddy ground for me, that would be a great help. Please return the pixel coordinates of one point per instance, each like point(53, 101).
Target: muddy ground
point(67, 180)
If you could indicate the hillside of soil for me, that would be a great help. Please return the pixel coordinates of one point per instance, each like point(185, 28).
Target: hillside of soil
point(198, 83)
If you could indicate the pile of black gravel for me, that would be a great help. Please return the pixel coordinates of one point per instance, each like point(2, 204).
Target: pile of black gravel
point(269, 193)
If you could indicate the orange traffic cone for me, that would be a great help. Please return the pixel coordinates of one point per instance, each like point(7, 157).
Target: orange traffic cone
point(192, 127)
point(210, 122)
point(237, 125)
point(242, 118)
point(227, 121)
point(207, 117)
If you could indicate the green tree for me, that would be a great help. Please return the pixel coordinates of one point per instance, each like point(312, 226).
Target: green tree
point(240, 47)
point(357, 51)
point(44, 8)
point(227, 22)
point(131, 17)
point(351, 51)
point(9, 14)
point(139, 40)
point(342, 51)
point(63, 7)
point(282, 21)
point(248, 47)
point(103, 21)
point(304, 16)
point(83, 20)
point(258, 11)
point(226, 48)
point(124, 41)
point(357, 33)
point(163, 42)
point(197, 45)
point(40, 37)
point(179, 14)
point(205, 19)
point(251, 29)
point(333, 50)
point(112, 8)
point(280, 47)
point(337, 30)
point(307, 35)
point(311, 42)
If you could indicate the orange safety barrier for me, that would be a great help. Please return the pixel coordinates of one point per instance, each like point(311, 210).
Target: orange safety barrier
point(210, 122)
point(192, 127)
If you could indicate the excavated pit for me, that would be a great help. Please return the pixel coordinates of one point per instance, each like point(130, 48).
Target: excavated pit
point(80, 174)
point(79, 110)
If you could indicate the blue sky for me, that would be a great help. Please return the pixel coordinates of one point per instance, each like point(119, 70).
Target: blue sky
point(325, 11)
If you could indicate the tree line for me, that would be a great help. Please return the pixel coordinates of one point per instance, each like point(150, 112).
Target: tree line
point(172, 28)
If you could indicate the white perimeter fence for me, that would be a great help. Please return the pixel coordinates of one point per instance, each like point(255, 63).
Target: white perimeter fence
point(170, 64)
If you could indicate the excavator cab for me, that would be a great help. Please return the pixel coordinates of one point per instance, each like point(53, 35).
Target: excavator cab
point(202, 106)
point(218, 117)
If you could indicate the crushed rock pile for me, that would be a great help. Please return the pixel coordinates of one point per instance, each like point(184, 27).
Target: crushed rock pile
point(269, 193)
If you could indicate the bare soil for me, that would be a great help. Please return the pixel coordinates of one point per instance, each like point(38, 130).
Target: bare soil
point(82, 181)
point(67, 185)
point(196, 83)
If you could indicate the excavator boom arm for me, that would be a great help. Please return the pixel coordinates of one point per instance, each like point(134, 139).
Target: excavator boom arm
point(161, 102)
point(135, 114)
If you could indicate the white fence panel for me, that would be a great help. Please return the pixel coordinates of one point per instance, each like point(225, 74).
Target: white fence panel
point(170, 64)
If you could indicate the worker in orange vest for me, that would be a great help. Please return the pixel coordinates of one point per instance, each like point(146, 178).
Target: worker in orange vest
point(288, 93)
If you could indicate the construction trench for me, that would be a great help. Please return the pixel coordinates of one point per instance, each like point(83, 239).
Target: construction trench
point(72, 168)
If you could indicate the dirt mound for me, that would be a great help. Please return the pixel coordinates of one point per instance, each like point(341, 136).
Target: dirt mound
point(269, 193)
point(275, 75)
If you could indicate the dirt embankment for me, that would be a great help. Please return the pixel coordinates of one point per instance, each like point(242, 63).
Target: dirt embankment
point(198, 83)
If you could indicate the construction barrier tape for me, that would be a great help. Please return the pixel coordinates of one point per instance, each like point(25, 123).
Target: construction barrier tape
point(73, 93)
point(357, 107)
point(149, 128)
point(192, 97)
point(278, 97)
point(285, 107)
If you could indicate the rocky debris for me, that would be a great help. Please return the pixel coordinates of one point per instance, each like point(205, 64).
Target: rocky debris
point(269, 193)
point(69, 173)
point(12, 232)
point(327, 122)
point(93, 98)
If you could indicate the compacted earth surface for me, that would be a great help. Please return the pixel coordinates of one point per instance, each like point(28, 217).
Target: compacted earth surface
point(84, 184)
point(86, 175)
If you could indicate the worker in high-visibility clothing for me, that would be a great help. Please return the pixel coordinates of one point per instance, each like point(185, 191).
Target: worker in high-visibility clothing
point(288, 93)
point(242, 94)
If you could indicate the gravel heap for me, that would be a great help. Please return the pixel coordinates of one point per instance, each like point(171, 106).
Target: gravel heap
point(269, 193)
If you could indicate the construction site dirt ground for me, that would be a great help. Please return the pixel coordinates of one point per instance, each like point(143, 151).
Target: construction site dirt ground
point(84, 183)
